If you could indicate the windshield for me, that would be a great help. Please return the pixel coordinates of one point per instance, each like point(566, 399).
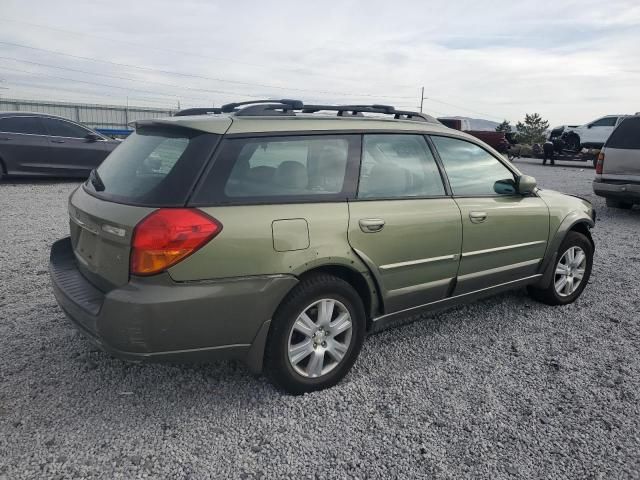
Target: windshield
point(155, 166)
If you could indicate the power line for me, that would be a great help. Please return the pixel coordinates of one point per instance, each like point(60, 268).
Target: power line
point(125, 78)
point(100, 84)
point(202, 77)
point(149, 47)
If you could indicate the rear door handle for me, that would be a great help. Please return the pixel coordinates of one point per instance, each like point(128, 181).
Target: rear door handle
point(371, 225)
point(5, 139)
point(57, 141)
point(477, 217)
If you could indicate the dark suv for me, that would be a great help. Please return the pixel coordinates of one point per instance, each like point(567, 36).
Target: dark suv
point(37, 144)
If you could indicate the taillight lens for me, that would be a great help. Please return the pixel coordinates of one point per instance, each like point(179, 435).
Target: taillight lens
point(600, 163)
point(168, 236)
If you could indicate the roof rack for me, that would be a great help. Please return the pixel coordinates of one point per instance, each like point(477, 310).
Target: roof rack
point(197, 111)
point(287, 107)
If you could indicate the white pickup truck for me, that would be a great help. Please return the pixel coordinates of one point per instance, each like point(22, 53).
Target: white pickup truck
point(590, 135)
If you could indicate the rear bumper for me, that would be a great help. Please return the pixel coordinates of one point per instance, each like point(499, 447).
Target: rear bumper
point(618, 191)
point(155, 318)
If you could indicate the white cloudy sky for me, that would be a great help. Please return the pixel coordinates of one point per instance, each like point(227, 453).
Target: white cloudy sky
point(571, 61)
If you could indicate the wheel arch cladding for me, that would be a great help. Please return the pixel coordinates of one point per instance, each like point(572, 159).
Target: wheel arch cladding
point(574, 222)
point(366, 288)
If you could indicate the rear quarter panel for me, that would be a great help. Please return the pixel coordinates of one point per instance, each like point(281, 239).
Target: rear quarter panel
point(247, 246)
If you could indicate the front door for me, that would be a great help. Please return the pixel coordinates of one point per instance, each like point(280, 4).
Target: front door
point(72, 153)
point(402, 223)
point(597, 132)
point(505, 234)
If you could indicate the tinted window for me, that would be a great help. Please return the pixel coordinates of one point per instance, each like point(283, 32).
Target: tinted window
point(471, 169)
point(60, 128)
point(605, 122)
point(29, 125)
point(155, 166)
point(627, 135)
point(273, 169)
point(396, 166)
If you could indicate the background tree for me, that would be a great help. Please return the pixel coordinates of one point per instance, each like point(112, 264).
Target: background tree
point(532, 129)
point(505, 127)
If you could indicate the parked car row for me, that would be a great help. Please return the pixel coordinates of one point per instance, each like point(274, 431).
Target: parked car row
point(33, 144)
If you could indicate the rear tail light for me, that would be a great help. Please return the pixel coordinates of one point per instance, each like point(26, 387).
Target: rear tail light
point(168, 236)
point(600, 163)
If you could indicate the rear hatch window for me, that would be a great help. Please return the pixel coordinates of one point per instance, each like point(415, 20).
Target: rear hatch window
point(155, 166)
point(626, 136)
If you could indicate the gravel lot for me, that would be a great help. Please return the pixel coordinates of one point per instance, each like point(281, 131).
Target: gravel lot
point(504, 388)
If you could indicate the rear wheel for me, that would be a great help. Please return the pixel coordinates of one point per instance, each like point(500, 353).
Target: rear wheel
point(571, 272)
point(611, 203)
point(316, 335)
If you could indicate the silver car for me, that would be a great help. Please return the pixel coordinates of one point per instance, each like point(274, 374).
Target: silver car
point(618, 167)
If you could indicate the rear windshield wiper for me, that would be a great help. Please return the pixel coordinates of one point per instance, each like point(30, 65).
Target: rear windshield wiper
point(96, 181)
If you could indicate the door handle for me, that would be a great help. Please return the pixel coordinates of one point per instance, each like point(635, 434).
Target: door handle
point(477, 217)
point(5, 139)
point(371, 225)
point(57, 141)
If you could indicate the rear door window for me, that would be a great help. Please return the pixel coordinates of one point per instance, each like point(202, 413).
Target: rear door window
point(398, 166)
point(155, 166)
point(626, 136)
point(281, 169)
point(25, 125)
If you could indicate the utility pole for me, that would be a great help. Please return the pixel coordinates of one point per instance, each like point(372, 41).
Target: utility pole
point(421, 98)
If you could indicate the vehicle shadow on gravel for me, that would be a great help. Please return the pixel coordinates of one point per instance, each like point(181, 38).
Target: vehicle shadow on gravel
point(108, 379)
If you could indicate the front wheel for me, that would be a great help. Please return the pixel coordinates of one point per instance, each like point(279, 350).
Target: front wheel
point(572, 142)
point(571, 272)
point(316, 335)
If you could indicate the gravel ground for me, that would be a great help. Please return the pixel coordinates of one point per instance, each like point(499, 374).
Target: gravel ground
point(504, 388)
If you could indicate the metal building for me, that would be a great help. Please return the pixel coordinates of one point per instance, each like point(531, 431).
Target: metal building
point(111, 117)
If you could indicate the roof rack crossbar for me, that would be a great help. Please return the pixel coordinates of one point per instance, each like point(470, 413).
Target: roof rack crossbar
point(197, 111)
point(287, 107)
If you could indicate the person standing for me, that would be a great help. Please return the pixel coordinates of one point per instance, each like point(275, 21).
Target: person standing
point(548, 150)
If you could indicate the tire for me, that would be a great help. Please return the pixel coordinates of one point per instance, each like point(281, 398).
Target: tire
point(551, 294)
point(572, 142)
point(611, 203)
point(311, 296)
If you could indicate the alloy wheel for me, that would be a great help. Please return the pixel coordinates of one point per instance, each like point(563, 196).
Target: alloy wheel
point(570, 271)
point(320, 338)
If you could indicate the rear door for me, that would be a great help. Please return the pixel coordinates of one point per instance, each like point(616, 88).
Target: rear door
point(24, 148)
point(402, 223)
point(72, 153)
point(504, 233)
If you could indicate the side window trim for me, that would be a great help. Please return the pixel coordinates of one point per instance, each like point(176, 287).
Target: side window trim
point(443, 172)
point(500, 160)
point(46, 128)
point(222, 169)
point(443, 179)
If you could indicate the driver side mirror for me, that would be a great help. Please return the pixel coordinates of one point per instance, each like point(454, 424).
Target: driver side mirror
point(92, 137)
point(590, 125)
point(526, 185)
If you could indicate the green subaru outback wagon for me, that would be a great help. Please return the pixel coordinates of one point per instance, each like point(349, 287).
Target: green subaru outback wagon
point(282, 234)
